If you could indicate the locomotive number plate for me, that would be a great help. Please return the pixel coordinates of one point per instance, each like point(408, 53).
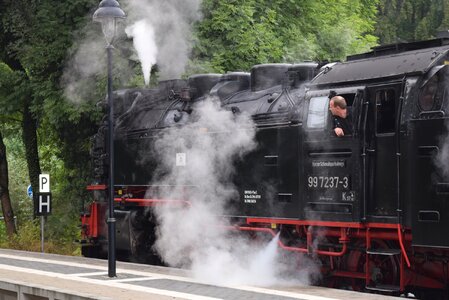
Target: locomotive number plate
point(328, 182)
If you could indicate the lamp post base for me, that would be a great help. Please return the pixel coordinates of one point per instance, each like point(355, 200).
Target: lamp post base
point(111, 248)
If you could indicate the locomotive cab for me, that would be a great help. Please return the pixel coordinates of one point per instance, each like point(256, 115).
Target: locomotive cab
point(395, 89)
point(396, 160)
point(331, 184)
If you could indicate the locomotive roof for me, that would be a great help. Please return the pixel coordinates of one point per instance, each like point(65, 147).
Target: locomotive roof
point(392, 65)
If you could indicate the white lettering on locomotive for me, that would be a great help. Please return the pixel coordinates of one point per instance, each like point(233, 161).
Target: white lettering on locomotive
point(251, 196)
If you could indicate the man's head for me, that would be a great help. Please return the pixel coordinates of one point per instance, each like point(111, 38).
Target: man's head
point(337, 106)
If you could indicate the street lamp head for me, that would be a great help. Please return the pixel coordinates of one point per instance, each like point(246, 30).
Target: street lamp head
point(108, 13)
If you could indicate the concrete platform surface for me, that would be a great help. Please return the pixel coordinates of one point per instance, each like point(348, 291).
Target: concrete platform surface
point(30, 275)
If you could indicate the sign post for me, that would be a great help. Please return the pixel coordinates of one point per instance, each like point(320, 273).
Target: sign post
point(42, 234)
point(43, 206)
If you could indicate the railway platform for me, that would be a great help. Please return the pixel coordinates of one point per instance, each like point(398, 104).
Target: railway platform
point(39, 276)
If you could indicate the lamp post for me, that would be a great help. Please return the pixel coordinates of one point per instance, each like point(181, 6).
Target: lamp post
point(108, 14)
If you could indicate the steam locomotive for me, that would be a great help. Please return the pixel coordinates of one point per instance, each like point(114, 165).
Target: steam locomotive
point(378, 199)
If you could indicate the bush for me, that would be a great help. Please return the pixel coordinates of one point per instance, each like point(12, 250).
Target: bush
point(28, 238)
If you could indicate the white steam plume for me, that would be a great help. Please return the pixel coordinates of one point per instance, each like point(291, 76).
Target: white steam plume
point(195, 237)
point(145, 45)
point(171, 22)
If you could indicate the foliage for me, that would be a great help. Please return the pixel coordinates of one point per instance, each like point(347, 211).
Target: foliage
point(3, 234)
point(28, 239)
point(62, 226)
point(35, 37)
point(235, 35)
point(38, 35)
point(400, 20)
point(22, 204)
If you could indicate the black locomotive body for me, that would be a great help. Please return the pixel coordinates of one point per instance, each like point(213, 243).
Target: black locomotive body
point(380, 195)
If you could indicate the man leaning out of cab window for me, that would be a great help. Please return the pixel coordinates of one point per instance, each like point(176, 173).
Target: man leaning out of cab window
point(341, 118)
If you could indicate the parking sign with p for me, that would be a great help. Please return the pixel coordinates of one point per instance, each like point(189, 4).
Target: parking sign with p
point(44, 183)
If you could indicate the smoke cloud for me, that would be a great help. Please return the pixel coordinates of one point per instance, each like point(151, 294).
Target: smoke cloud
point(86, 61)
point(194, 236)
point(86, 65)
point(161, 33)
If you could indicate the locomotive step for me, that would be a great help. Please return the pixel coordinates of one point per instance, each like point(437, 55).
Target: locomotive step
point(386, 288)
point(388, 252)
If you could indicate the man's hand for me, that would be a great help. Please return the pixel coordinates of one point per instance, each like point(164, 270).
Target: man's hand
point(338, 131)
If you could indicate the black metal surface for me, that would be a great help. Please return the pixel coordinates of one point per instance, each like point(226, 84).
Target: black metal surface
point(268, 75)
point(111, 220)
point(430, 207)
point(389, 49)
point(267, 180)
point(400, 64)
point(381, 155)
point(201, 84)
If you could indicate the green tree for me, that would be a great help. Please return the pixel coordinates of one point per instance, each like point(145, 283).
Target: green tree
point(240, 33)
point(235, 35)
point(400, 20)
point(4, 190)
point(35, 37)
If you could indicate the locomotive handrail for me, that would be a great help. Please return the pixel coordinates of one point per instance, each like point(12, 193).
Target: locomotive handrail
point(331, 153)
point(432, 113)
point(364, 162)
point(399, 209)
point(401, 244)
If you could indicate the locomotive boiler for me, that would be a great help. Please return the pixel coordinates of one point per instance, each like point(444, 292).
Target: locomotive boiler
point(377, 198)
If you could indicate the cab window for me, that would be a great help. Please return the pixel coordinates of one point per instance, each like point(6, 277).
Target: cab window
point(318, 112)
